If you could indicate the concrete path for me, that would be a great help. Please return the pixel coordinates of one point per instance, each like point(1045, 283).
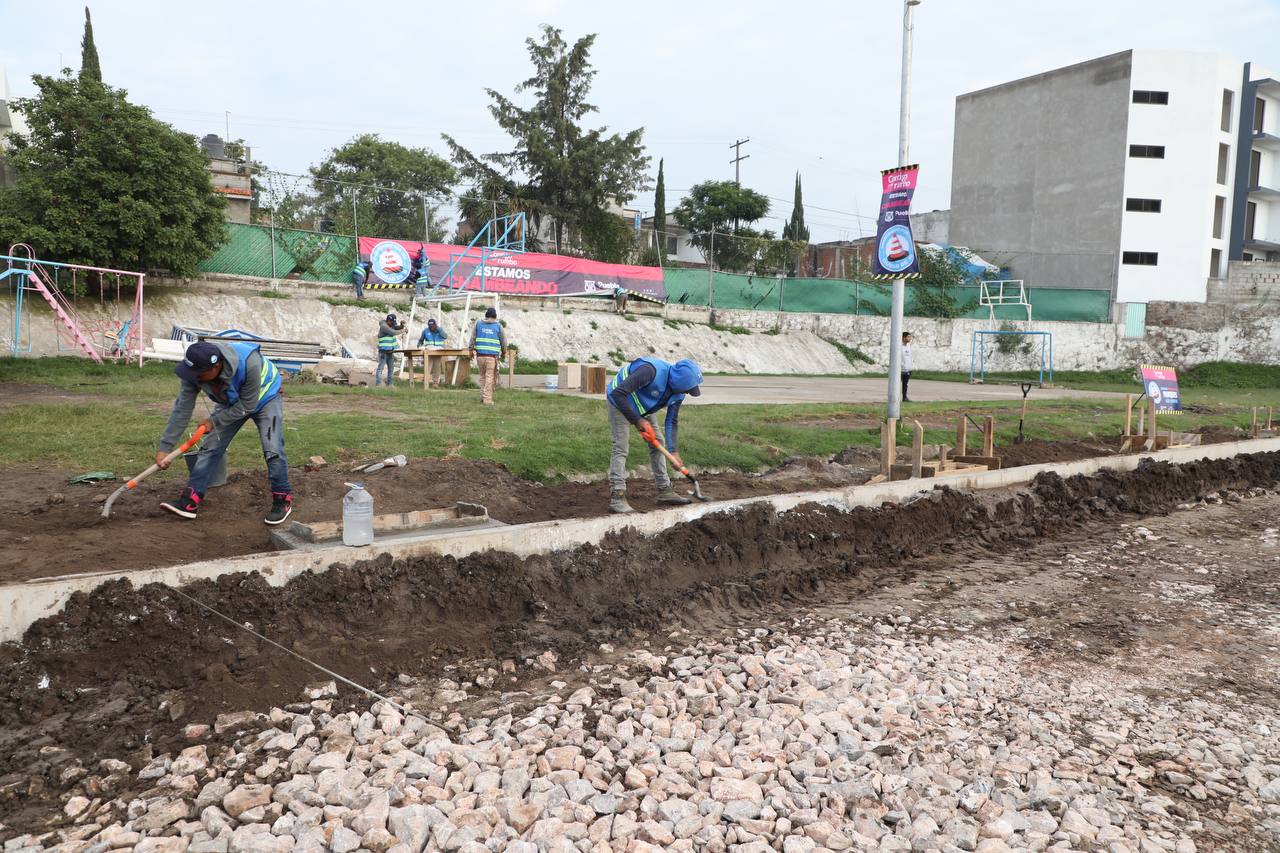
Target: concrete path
point(817, 389)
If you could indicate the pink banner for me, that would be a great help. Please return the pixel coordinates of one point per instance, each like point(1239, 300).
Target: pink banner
point(524, 274)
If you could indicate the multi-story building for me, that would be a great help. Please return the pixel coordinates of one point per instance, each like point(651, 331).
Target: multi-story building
point(10, 122)
point(231, 179)
point(1144, 173)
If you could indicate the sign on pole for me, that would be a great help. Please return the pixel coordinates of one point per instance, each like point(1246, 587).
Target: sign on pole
point(895, 246)
point(1161, 384)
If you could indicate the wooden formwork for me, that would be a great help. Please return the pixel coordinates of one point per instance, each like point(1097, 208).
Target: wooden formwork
point(1148, 436)
point(946, 463)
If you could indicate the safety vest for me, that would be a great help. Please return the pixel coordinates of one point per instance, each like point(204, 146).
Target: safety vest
point(488, 338)
point(431, 338)
point(359, 273)
point(424, 274)
point(386, 342)
point(653, 396)
point(270, 385)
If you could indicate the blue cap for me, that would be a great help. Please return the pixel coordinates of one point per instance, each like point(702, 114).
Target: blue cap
point(199, 357)
point(685, 377)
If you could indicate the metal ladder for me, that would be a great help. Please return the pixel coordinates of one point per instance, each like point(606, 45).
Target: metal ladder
point(37, 280)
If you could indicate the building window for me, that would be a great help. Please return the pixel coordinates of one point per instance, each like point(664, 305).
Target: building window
point(1250, 217)
point(671, 246)
point(1246, 257)
point(1142, 205)
point(1215, 263)
point(1255, 168)
point(1141, 259)
point(1219, 214)
point(1228, 100)
point(1259, 114)
point(1146, 96)
point(1156, 151)
point(1224, 162)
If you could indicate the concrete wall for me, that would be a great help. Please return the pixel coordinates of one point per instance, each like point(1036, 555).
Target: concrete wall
point(588, 331)
point(1038, 170)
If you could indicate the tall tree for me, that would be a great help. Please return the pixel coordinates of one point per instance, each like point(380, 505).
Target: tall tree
point(660, 213)
point(795, 232)
point(395, 180)
point(566, 172)
point(90, 69)
point(728, 210)
point(102, 182)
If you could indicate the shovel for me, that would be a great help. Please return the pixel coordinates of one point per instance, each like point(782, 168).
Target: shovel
point(1026, 389)
point(133, 484)
point(697, 490)
point(397, 461)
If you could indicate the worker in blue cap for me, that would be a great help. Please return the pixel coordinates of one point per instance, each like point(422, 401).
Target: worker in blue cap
point(640, 389)
point(244, 386)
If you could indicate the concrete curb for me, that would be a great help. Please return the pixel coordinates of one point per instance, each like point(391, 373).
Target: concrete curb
point(21, 604)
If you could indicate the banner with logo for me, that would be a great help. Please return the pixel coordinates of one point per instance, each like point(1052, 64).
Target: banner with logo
point(1161, 384)
point(895, 255)
point(394, 263)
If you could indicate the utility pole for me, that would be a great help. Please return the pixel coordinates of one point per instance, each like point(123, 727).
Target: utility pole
point(899, 285)
point(736, 162)
point(228, 128)
point(426, 221)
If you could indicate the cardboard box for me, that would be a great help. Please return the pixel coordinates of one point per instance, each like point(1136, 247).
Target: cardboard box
point(570, 376)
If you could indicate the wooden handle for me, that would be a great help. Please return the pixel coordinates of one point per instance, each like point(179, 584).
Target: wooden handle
point(200, 433)
point(670, 456)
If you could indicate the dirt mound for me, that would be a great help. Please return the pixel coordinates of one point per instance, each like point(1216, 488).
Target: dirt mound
point(92, 681)
point(48, 528)
point(1036, 451)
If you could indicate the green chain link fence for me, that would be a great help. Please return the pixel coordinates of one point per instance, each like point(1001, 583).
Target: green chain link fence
point(311, 255)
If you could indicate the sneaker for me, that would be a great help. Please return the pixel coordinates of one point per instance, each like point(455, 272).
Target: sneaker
point(281, 507)
point(618, 503)
point(186, 505)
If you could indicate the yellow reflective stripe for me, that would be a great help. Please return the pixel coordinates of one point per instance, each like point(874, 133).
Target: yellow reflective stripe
point(268, 376)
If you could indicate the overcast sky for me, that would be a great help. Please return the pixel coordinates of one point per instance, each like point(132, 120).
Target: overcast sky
point(813, 84)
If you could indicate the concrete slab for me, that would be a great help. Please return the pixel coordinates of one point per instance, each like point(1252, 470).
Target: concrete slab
point(834, 389)
point(23, 603)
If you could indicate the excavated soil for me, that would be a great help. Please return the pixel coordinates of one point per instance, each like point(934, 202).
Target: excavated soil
point(122, 669)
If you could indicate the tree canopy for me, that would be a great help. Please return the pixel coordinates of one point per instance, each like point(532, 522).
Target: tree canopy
point(102, 182)
point(90, 68)
point(397, 177)
point(562, 172)
point(728, 210)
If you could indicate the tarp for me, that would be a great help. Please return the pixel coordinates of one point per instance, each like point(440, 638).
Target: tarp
point(519, 273)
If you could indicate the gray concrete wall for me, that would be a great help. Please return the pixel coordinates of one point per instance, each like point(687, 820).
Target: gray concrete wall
point(1038, 173)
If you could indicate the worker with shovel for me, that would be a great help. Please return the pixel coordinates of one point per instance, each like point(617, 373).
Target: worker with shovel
point(244, 385)
point(637, 391)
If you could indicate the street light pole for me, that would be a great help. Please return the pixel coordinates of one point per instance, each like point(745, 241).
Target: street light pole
point(899, 285)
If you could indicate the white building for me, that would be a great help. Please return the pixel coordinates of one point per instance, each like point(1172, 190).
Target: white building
point(677, 247)
point(1144, 173)
point(10, 122)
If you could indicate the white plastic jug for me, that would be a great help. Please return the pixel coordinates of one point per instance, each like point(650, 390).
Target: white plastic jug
point(357, 516)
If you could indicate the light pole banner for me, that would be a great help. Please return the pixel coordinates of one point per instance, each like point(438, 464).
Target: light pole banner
point(895, 255)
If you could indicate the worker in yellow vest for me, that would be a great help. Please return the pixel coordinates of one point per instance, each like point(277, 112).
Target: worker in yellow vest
point(488, 345)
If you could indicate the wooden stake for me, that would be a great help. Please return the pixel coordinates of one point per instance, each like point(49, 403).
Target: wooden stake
point(1253, 423)
point(1151, 425)
point(1128, 415)
point(1142, 421)
point(917, 449)
point(962, 435)
point(989, 436)
point(888, 445)
point(511, 368)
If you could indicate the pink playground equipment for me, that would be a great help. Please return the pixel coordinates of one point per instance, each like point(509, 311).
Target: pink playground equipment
point(104, 328)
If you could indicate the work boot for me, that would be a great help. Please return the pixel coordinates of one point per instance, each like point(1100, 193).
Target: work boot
point(618, 503)
point(281, 507)
point(670, 497)
point(187, 504)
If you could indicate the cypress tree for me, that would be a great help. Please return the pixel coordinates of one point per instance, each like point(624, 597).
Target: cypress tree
point(660, 213)
point(89, 67)
point(795, 229)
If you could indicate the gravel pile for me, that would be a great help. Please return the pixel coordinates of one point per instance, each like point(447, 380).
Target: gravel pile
point(825, 735)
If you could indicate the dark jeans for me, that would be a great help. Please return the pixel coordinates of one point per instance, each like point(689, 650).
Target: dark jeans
point(906, 377)
point(359, 283)
point(386, 357)
point(270, 422)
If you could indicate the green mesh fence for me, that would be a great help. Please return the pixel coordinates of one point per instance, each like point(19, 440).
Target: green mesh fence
point(310, 255)
point(836, 296)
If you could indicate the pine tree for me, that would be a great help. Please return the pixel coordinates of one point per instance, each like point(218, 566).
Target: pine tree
point(89, 67)
point(660, 213)
point(796, 231)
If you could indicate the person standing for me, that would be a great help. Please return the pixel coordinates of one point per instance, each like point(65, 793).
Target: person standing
point(905, 365)
point(360, 275)
point(244, 385)
point(422, 273)
point(488, 345)
point(639, 389)
point(620, 299)
point(433, 338)
point(388, 329)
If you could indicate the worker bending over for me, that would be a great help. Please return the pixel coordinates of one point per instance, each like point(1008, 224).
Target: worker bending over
point(244, 385)
point(639, 389)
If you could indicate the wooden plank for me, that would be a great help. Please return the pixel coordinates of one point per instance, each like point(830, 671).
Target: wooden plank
point(991, 462)
point(917, 449)
point(962, 435)
point(989, 436)
point(888, 445)
point(1151, 419)
point(1128, 414)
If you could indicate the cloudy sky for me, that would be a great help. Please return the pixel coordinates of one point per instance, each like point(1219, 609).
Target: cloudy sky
point(813, 84)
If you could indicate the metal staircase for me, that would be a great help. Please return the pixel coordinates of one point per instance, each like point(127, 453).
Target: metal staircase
point(22, 264)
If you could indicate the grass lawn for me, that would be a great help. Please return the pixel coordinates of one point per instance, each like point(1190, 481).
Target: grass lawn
point(118, 413)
